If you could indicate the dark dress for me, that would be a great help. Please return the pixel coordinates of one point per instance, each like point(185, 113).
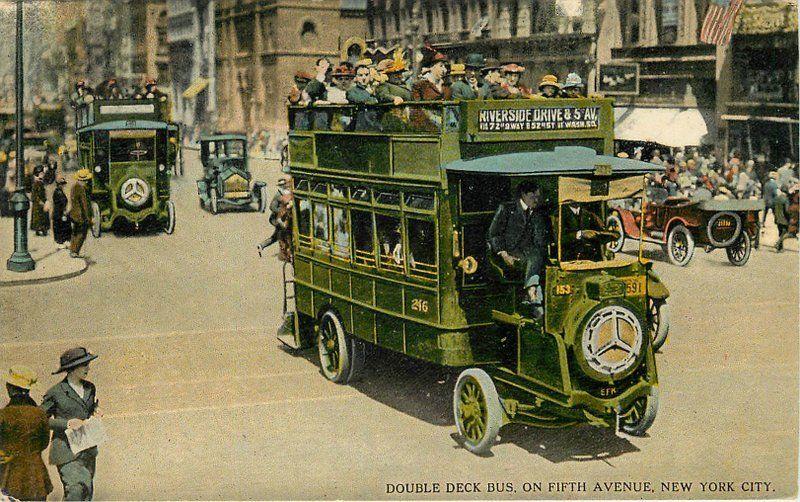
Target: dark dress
point(24, 434)
point(61, 224)
point(40, 221)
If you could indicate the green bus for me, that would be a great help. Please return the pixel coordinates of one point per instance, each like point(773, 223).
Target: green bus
point(131, 149)
point(390, 219)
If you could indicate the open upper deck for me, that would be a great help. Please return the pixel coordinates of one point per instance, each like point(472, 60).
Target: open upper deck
point(115, 110)
point(415, 138)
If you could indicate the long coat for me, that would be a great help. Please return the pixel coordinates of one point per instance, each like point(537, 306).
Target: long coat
point(61, 225)
point(573, 248)
point(424, 90)
point(24, 434)
point(80, 205)
point(62, 403)
point(524, 234)
point(40, 221)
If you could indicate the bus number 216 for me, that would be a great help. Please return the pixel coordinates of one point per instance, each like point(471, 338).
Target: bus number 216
point(419, 305)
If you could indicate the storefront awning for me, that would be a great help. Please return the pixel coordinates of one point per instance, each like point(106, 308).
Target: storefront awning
point(666, 126)
point(785, 120)
point(198, 86)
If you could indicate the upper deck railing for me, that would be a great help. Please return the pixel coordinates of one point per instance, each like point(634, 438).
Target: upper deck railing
point(476, 120)
point(110, 110)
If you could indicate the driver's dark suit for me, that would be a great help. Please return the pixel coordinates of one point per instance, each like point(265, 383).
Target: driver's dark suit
point(524, 234)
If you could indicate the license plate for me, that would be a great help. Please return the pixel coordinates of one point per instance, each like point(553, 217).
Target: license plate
point(634, 286)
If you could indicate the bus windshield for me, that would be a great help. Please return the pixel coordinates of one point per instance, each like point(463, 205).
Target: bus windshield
point(132, 146)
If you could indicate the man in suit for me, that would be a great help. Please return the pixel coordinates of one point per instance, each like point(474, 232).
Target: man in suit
point(69, 404)
point(519, 234)
point(582, 233)
point(79, 212)
point(24, 434)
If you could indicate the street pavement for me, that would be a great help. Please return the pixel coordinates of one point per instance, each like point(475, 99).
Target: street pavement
point(202, 402)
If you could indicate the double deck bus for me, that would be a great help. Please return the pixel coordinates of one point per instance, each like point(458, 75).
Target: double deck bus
point(391, 213)
point(131, 149)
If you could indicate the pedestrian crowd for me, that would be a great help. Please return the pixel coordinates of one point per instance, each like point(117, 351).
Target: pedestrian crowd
point(113, 89)
point(392, 80)
point(690, 174)
point(25, 431)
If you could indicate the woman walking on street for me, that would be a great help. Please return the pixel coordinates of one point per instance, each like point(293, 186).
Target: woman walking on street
point(40, 220)
point(70, 403)
point(61, 223)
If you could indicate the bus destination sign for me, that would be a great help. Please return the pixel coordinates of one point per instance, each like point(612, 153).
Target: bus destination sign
point(539, 119)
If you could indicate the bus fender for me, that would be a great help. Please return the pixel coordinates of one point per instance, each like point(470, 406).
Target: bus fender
point(655, 288)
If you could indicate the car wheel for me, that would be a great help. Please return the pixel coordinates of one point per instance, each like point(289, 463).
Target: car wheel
point(341, 356)
point(641, 415)
point(477, 410)
point(96, 221)
point(171, 220)
point(614, 223)
point(739, 251)
point(680, 246)
point(658, 315)
point(214, 206)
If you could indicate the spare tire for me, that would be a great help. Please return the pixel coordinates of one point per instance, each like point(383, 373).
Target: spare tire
point(723, 228)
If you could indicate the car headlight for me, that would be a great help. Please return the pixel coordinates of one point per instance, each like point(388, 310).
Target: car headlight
point(97, 169)
point(612, 342)
point(161, 168)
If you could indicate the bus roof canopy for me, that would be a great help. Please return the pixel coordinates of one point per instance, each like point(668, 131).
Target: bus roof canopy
point(569, 160)
point(119, 125)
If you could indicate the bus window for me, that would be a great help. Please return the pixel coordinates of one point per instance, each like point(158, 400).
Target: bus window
point(483, 193)
point(387, 198)
point(360, 194)
point(234, 149)
point(390, 242)
point(339, 191)
point(419, 201)
point(320, 188)
point(421, 248)
point(362, 237)
point(321, 228)
point(302, 185)
point(341, 234)
point(132, 149)
point(304, 221)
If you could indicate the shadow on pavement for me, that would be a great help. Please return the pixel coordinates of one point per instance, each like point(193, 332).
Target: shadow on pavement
point(572, 444)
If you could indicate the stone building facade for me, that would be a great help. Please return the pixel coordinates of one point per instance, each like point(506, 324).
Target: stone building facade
point(192, 48)
point(262, 43)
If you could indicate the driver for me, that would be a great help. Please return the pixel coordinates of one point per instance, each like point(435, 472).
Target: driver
point(582, 233)
point(519, 235)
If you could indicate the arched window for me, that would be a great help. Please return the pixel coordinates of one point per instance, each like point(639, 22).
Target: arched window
point(309, 30)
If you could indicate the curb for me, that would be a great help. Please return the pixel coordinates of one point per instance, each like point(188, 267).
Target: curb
point(45, 280)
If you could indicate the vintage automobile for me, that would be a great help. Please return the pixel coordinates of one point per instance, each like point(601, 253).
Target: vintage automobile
point(131, 150)
point(226, 175)
point(392, 206)
point(679, 224)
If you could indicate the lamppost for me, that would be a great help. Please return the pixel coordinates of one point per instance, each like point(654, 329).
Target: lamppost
point(20, 260)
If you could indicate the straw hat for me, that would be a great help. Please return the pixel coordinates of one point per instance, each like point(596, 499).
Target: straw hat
point(342, 71)
point(83, 175)
point(513, 68)
point(22, 377)
point(549, 80)
point(457, 69)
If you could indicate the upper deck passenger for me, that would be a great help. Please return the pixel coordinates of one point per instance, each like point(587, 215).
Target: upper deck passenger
point(83, 94)
point(493, 80)
point(431, 85)
point(573, 86)
point(514, 90)
point(393, 90)
point(316, 90)
point(549, 87)
point(341, 81)
point(359, 93)
point(301, 79)
point(460, 89)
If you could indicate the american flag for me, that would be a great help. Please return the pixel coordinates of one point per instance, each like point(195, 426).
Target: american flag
point(718, 25)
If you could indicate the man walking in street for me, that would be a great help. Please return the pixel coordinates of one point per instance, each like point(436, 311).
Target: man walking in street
point(70, 403)
point(24, 435)
point(768, 194)
point(79, 212)
point(40, 219)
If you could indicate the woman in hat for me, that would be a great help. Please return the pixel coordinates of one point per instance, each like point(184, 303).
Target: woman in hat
point(431, 87)
point(24, 434)
point(573, 86)
point(512, 73)
point(549, 87)
point(61, 224)
point(69, 403)
point(40, 219)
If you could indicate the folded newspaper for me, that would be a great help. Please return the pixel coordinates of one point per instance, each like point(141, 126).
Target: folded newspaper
point(90, 434)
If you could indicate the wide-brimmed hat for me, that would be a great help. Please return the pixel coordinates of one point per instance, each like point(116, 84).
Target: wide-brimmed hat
point(773, 174)
point(284, 180)
point(457, 69)
point(74, 358)
point(303, 75)
point(573, 80)
point(366, 62)
point(431, 56)
point(22, 377)
point(342, 71)
point(492, 64)
point(513, 68)
point(150, 82)
point(83, 175)
point(475, 60)
point(549, 80)
point(61, 180)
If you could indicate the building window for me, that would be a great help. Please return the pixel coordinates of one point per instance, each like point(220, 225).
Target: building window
point(669, 22)
point(445, 12)
point(428, 17)
point(513, 17)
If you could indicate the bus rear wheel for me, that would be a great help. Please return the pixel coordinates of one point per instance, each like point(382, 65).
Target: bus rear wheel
point(477, 410)
point(341, 356)
point(96, 221)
